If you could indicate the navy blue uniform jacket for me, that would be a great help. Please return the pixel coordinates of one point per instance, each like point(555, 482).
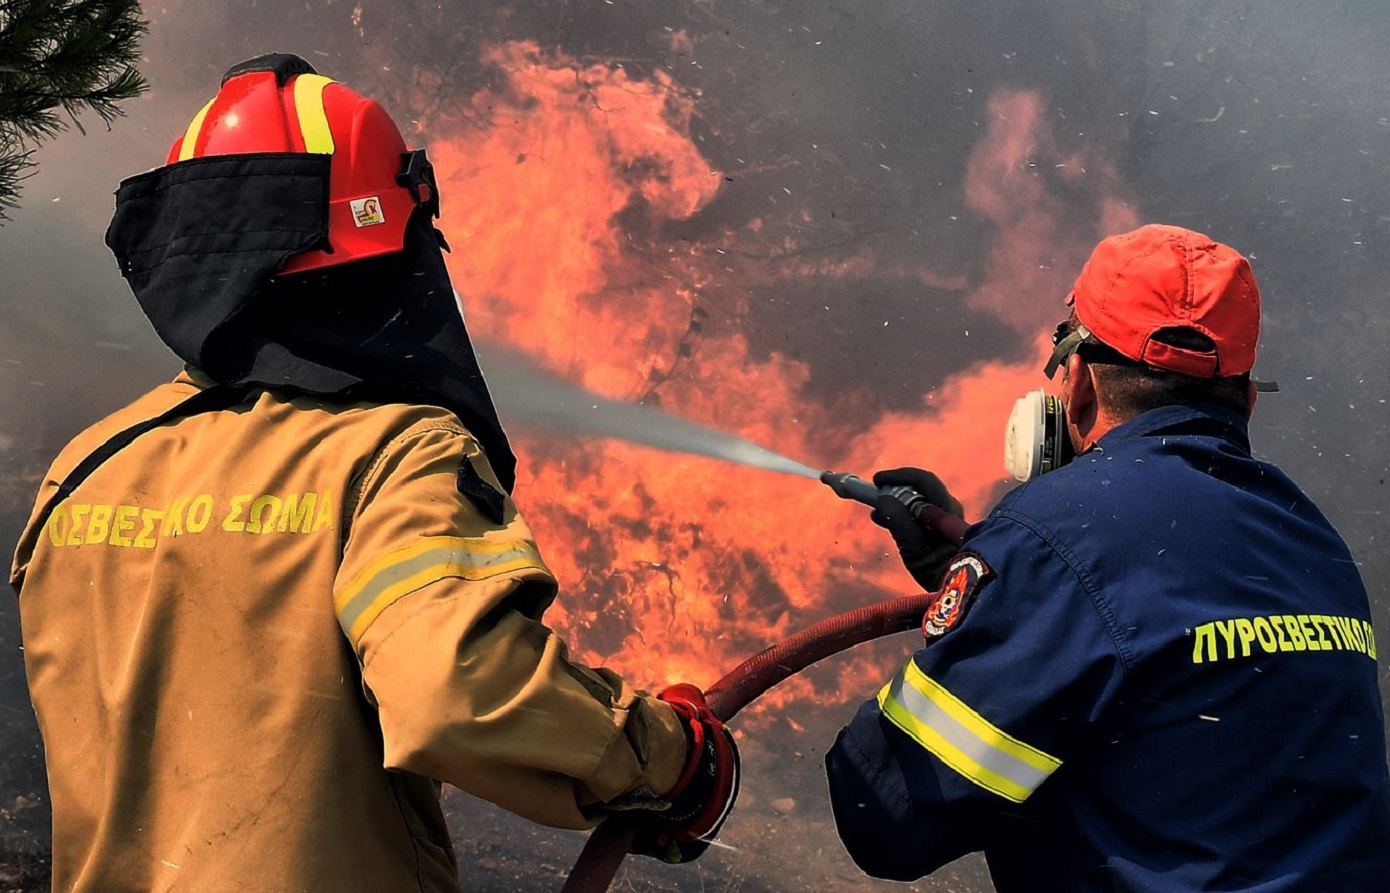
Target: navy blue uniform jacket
point(1158, 674)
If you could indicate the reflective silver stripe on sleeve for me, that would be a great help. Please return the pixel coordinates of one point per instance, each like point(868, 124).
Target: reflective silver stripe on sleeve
point(400, 573)
point(961, 738)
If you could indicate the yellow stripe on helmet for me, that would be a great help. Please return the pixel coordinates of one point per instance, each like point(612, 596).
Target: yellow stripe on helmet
point(313, 117)
point(195, 127)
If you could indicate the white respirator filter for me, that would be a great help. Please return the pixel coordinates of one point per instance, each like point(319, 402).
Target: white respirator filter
point(1036, 440)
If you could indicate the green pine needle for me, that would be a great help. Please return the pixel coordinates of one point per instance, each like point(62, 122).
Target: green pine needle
point(58, 60)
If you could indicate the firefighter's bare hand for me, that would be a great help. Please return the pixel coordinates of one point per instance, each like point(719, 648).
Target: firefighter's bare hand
point(925, 553)
point(705, 792)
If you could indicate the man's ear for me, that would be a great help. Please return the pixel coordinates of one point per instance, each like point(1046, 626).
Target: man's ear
point(1252, 391)
point(1079, 389)
point(1082, 403)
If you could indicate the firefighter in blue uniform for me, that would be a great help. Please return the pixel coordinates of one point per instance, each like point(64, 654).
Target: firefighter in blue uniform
point(1151, 669)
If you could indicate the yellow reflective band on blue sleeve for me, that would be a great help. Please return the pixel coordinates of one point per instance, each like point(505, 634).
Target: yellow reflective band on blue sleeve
point(313, 118)
point(394, 576)
point(961, 738)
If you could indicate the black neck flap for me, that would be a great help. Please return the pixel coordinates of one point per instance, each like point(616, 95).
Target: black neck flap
point(200, 242)
point(197, 238)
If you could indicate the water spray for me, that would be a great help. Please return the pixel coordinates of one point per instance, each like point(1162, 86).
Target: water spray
point(535, 398)
point(532, 398)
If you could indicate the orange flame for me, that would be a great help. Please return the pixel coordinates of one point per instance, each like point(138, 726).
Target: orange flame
point(677, 567)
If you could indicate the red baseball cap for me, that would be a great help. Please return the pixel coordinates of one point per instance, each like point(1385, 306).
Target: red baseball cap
point(1166, 277)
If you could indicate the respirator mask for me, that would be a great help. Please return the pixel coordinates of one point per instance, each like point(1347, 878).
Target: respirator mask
point(1036, 440)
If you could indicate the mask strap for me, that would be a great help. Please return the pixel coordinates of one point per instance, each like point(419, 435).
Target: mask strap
point(1065, 348)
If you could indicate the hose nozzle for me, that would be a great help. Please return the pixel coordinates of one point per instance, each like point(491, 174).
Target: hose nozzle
point(851, 486)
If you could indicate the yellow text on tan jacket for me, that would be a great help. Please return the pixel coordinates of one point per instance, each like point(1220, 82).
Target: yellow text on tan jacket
point(257, 638)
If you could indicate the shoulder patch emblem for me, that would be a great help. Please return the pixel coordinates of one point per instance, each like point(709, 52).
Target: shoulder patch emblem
point(968, 572)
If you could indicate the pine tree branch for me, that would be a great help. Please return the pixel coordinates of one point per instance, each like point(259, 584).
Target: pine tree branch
point(58, 60)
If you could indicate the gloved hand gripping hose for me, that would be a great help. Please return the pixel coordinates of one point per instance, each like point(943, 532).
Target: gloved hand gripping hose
point(609, 842)
point(852, 486)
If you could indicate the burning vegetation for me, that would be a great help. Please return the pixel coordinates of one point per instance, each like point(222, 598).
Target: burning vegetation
point(689, 209)
point(565, 185)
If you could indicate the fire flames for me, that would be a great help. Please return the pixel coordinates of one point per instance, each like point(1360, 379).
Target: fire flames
point(672, 567)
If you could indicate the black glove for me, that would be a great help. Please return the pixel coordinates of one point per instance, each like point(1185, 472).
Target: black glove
point(705, 791)
point(925, 553)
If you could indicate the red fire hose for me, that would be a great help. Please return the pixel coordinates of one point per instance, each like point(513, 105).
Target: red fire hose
point(609, 842)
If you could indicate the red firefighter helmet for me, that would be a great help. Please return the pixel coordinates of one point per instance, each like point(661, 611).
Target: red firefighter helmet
point(278, 103)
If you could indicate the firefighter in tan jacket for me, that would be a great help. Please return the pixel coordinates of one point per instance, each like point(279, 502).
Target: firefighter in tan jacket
point(271, 605)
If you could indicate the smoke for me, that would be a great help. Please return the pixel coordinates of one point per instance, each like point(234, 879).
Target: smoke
point(839, 231)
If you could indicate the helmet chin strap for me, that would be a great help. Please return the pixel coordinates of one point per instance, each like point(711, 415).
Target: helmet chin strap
point(417, 176)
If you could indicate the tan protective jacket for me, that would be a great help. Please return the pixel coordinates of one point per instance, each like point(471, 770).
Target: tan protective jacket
point(255, 637)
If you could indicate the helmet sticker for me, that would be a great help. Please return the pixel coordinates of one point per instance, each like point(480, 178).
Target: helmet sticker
point(367, 211)
point(964, 578)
